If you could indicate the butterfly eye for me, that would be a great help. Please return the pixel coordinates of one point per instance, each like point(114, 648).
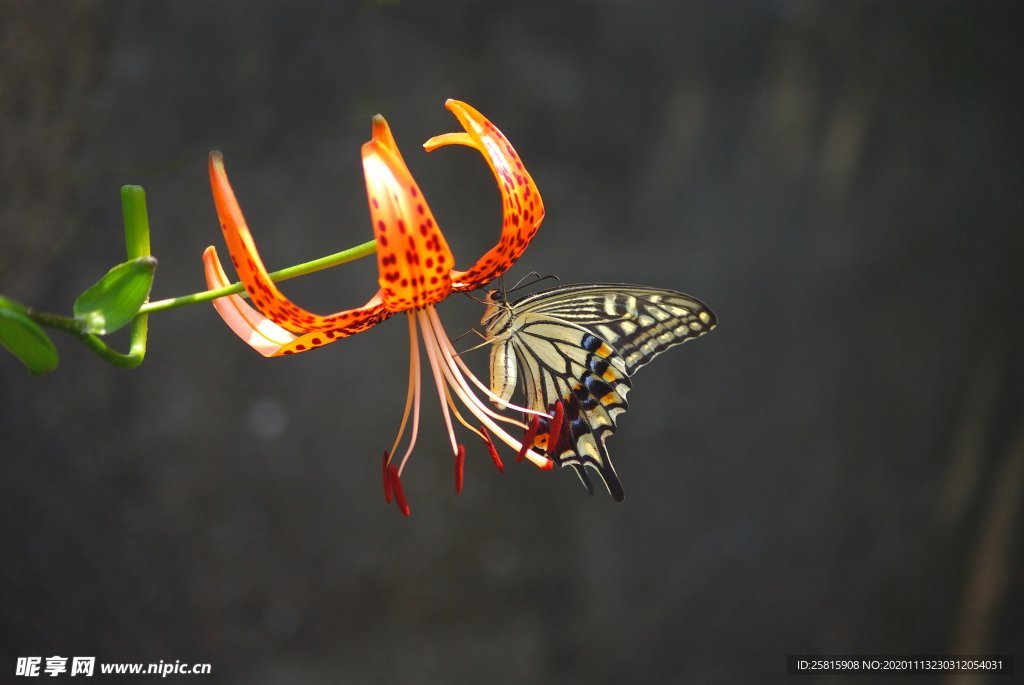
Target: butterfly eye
point(495, 296)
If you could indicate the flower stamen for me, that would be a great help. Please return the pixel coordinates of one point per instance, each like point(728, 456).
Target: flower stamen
point(387, 478)
point(531, 433)
point(414, 376)
point(494, 452)
point(555, 427)
point(396, 487)
point(476, 381)
point(413, 373)
point(460, 465)
point(439, 381)
point(458, 384)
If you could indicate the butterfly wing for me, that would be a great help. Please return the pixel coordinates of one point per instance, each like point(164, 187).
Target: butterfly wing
point(562, 362)
point(639, 322)
point(579, 345)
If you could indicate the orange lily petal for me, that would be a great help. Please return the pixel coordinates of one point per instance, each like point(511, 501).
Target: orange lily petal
point(367, 316)
point(413, 258)
point(265, 295)
point(262, 334)
point(522, 207)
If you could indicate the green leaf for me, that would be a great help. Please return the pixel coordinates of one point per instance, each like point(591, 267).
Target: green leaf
point(26, 341)
point(117, 297)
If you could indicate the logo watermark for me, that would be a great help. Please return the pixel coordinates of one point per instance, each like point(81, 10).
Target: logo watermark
point(87, 666)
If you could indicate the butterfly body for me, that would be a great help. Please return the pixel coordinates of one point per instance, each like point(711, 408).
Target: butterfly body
point(579, 345)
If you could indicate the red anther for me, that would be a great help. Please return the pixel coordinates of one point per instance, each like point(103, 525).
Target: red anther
point(460, 464)
point(396, 487)
point(556, 427)
point(548, 465)
point(531, 433)
point(387, 478)
point(494, 452)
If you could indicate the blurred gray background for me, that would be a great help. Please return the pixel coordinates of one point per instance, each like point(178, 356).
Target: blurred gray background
point(837, 469)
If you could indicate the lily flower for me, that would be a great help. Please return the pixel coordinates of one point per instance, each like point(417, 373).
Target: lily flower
point(416, 271)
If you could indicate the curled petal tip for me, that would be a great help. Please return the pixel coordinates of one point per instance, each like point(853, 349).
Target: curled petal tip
point(381, 133)
point(451, 104)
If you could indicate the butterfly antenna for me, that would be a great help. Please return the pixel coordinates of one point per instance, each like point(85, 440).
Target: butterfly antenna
point(537, 280)
point(519, 284)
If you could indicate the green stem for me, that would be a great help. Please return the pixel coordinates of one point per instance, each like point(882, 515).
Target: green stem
point(358, 252)
point(136, 241)
point(136, 352)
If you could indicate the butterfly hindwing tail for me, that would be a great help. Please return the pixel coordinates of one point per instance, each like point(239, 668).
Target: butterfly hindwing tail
point(593, 395)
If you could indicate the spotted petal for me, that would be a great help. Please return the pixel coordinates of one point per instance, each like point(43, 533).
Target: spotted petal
point(265, 295)
point(522, 208)
point(413, 258)
point(262, 334)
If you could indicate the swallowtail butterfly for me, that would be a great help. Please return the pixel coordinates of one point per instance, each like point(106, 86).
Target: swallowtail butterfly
point(580, 344)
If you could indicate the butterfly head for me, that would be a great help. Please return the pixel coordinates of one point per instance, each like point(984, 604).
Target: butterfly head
point(498, 310)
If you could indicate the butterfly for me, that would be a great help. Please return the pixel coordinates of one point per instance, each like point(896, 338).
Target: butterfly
point(580, 345)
